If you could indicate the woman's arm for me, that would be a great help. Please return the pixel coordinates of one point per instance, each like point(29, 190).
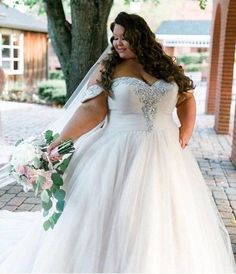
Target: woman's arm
point(89, 114)
point(186, 111)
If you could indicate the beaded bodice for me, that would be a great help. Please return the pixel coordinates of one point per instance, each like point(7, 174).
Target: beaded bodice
point(132, 95)
point(137, 104)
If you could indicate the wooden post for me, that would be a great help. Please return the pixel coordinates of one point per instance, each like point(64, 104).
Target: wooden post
point(2, 84)
point(4, 148)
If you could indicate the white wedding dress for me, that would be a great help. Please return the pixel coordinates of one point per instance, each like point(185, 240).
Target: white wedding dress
point(136, 201)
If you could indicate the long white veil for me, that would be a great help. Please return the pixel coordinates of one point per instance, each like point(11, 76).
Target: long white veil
point(69, 109)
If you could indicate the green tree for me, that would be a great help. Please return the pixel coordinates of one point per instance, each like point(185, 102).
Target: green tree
point(78, 44)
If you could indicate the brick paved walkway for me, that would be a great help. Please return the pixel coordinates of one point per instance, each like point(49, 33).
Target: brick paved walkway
point(22, 120)
point(211, 151)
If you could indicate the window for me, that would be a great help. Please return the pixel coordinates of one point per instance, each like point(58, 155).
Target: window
point(11, 52)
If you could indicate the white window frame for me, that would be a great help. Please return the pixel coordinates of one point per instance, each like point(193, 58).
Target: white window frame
point(11, 46)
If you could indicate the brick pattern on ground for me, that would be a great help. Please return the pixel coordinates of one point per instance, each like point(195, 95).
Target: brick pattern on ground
point(212, 153)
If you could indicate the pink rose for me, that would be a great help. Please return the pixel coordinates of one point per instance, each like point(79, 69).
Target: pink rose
point(48, 183)
point(22, 170)
point(32, 175)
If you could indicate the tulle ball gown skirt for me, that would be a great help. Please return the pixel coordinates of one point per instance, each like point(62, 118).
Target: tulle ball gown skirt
point(136, 203)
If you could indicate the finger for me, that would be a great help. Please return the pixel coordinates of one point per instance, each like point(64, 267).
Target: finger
point(185, 144)
point(181, 142)
point(49, 149)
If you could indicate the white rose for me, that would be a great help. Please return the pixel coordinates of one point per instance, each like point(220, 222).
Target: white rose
point(24, 154)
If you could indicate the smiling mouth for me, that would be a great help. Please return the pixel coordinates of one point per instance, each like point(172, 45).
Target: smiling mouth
point(121, 50)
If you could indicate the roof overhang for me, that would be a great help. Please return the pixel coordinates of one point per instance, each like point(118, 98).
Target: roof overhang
point(194, 41)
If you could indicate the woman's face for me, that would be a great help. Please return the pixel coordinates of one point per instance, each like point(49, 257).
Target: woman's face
point(120, 44)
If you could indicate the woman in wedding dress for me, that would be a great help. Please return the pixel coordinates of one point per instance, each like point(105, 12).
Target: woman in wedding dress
point(136, 200)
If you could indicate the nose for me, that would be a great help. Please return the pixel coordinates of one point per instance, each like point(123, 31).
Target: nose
point(119, 42)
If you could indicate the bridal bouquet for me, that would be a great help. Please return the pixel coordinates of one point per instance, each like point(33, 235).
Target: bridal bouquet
point(32, 168)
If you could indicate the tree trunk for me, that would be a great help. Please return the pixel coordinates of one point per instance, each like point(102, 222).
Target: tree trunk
point(79, 44)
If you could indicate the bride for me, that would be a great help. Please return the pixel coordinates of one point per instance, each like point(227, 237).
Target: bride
point(136, 200)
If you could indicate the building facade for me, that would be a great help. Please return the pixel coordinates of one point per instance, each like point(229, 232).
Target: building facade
point(23, 47)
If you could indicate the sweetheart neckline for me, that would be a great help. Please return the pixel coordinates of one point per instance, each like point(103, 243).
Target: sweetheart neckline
point(137, 79)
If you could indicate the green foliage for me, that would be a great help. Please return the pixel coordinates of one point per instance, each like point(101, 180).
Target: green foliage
point(48, 135)
point(193, 62)
point(57, 180)
point(59, 194)
point(53, 92)
point(46, 225)
point(202, 4)
point(45, 196)
point(192, 67)
point(38, 185)
point(56, 216)
point(66, 3)
point(60, 206)
point(64, 165)
point(193, 58)
point(56, 75)
point(47, 206)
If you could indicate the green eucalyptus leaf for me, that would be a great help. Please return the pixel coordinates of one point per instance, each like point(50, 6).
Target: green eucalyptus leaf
point(59, 194)
point(46, 225)
point(60, 206)
point(49, 192)
point(54, 188)
point(47, 206)
point(48, 135)
point(51, 220)
point(39, 182)
point(36, 162)
point(63, 166)
point(45, 213)
point(56, 216)
point(45, 197)
point(57, 180)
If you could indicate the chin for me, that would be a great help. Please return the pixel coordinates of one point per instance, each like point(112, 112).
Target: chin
point(124, 56)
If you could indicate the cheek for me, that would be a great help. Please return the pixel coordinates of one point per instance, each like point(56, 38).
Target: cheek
point(127, 45)
point(114, 43)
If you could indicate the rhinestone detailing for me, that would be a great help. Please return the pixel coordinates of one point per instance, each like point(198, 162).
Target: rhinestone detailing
point(91, 92)
point(149, 95)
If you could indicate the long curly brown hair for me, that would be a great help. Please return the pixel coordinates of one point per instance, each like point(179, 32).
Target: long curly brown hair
point(148, 51)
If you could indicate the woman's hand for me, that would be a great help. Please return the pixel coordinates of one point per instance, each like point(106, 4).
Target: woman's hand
point(184, 136)
point(53, 146)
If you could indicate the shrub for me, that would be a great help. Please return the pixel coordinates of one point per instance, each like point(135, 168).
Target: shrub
point(192, 67)
point(193, 58)
point(56, 74)
point(52, 92)
point(18, 95)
